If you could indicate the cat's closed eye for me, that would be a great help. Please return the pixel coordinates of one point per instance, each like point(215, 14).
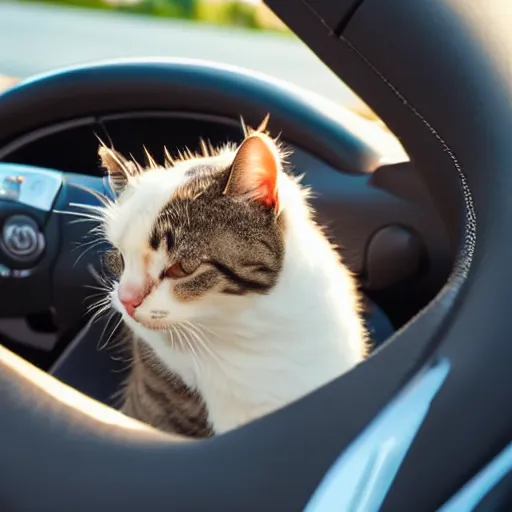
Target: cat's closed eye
point(176, 271)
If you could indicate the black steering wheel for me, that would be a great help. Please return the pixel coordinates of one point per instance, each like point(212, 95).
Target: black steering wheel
point(439, 73)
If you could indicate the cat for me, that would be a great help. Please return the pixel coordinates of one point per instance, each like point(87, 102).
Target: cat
point(237, 301)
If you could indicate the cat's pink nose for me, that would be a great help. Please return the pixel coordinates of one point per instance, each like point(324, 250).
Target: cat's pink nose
point(131, 306)
point(131, 296)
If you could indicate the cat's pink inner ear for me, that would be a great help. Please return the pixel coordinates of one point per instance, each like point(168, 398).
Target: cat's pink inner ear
point(255, 170)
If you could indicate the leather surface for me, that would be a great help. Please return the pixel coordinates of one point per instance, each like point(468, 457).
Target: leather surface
point(439, 74)
point(466, 105)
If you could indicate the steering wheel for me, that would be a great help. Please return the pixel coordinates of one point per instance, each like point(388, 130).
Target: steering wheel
point(439, 73)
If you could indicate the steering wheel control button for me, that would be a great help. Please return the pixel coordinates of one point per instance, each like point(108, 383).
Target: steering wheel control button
point(21, 238)
point(31, 186)
point(393, 254)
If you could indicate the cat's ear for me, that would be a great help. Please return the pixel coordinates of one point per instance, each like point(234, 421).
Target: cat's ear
point(119, 170)
point(255, 170)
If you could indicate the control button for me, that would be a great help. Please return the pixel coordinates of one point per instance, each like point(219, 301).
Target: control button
point(393, 255)
point(21, 238)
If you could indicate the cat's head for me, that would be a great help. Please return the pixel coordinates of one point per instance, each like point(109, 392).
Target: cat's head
point(199, 237)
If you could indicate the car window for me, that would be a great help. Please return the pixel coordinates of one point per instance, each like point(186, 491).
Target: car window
point(47, 34)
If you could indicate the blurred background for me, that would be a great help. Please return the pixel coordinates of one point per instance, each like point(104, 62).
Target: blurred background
point(38, 36)
point(251, 14)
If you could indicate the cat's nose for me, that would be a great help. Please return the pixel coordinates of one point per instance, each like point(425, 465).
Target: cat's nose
point(130, 306)
point(131, 297)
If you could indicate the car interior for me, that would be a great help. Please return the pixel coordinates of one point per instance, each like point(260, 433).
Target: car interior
point(380, 214)
point(422, 221)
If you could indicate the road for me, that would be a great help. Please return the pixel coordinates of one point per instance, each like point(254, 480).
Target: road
point(36, 38)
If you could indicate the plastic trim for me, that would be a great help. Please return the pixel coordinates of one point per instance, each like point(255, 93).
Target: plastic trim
point(361, 477)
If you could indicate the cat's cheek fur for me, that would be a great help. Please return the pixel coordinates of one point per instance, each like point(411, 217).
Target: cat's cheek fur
point(161, 309)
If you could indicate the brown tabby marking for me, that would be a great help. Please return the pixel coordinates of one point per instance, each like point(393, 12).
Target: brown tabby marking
point(239, 243)
point(155, 396)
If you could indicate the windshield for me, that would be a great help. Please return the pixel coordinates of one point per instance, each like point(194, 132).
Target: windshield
point(41, 36)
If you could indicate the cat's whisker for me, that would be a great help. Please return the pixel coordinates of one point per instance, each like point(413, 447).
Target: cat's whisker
point(95, 234)
point(98, 212)
point(102, 303)
point(174, 332)
point(92, 295)
point(202, 340)
point(181, 337)
point(87, 237)
point(80, 244)
point(122, 345)
point(197, 328)
point(101, 311)
point(92, 207)
point(190, 345)
point(207, 329)
point(170, 331)
point(107, 201)
point(104, 299)
point(92, 287)
point(98, 229)
point(81, 221)
point(95, 213)
point(87, 249)
point(110, 316)
point(82, 215)
point(200, 346)
point(101, 212)
point(94, 240)
point(119, 322)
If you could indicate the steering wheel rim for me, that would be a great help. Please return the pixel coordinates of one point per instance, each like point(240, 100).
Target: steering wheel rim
point(202, 87)
point(286, 454)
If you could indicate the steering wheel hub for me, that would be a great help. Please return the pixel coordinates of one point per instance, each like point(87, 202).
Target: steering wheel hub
point(21, 238)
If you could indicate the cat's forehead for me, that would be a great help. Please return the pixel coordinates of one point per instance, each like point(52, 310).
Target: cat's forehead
point(140, 206)
point(135, 212)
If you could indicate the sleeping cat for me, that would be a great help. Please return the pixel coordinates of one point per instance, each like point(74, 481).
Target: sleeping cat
point(237, 302)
